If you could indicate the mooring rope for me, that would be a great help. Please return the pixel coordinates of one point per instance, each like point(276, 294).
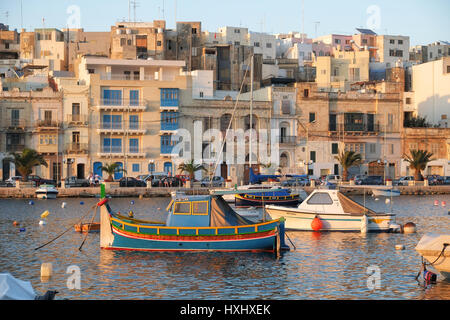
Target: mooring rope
point(89, 227)
point(79, 221)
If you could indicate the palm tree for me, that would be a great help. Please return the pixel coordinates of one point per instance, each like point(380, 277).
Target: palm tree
point(190, 168)
point(112, 168)
point(348, 159)
point(418, 161)
point(26, 160)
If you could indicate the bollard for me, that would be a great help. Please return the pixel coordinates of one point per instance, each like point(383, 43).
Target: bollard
point(46, 270)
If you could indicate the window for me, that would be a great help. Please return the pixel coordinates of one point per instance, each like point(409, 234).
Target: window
point(364, 41)
point(312, 117)
point(408, 101)
point(46, 139)
point(306, 93)
point(135, 167)
point(182, 208)
point(200, 207)
point(286, 107)
point(391, 148)
point(122, 42)
point(201, 94)
point(237, 43)
point(129, 42)
point(134, 145)
point(320, 198)
point(400, 41)
point(372, 148)
point(448, 69)
point(337, 41)
point(256, 44)
point(312, 156)
point(158, 43)
point(392, 41)
point(334, 148)
point(237, 31)
point(91, 71)
point(268, 45)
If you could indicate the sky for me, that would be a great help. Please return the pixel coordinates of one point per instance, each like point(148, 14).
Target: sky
point(424, 21)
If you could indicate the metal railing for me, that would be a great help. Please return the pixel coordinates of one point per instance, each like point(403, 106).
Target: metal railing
point(288, 139)
point(75, 147)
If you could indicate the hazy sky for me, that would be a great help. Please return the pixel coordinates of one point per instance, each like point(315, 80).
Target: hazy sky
point(424, 21)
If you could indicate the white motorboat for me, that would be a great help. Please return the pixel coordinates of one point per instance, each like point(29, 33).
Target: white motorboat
point(385, 192)
point(230, 197)
point(435, 248)
point(46, 191)
point(330, 210)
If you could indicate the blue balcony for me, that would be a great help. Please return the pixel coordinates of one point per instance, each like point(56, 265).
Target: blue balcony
point(166, 126)
point(169, 98)
point(165, 149)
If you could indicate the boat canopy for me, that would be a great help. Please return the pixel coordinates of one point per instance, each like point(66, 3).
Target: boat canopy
point(203, 211)
point(333, 201)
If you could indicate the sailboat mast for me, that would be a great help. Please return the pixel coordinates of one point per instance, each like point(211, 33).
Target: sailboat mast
point(251, 112)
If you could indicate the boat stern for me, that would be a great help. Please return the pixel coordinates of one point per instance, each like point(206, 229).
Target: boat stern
point(106, 234)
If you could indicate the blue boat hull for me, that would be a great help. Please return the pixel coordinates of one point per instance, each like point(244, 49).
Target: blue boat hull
point(125, 241)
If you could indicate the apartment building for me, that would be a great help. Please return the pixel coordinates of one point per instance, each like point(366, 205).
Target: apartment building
point(392, 49)
point(367, 120)
point(134, 112)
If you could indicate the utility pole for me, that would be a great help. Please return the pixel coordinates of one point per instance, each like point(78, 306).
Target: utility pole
point(251, 111)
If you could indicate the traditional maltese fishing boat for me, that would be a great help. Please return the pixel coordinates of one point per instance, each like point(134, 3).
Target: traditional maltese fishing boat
point(194, 223)
point(282, 197)
point(330, 210)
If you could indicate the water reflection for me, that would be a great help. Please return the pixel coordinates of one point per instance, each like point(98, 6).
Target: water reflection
point(323, 266)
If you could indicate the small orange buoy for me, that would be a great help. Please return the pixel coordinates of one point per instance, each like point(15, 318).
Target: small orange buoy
point(316, 224)
point(15, 223)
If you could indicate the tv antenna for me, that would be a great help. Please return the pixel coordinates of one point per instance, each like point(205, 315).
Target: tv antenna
point(134, 4)
point(316, 23)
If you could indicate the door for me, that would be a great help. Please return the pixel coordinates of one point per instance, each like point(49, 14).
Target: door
point(119, 173)
point(80, 170)
point(224, 170)
point(98, 169)
point(75, 141)
point(75, 112)
point(6, 170)
point(168, 167)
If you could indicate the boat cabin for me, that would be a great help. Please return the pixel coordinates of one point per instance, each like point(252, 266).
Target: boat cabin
point(202, 211)
point(332, 201)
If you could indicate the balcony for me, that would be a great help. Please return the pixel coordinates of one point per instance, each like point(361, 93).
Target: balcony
point(15, 124)
point(169, 99)
point(47, 124)
point(76, 148)
point(167, 126)
point(47, 148)
point(121, 152)
point(126, 77)
point(121, 105)
point(354, 129)
point(77, 120)
point(166, 150)
point(15, 147)
point(121, 127)
point(288, 140)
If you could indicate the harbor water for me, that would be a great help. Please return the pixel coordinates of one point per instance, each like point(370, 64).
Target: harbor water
point(322, 265)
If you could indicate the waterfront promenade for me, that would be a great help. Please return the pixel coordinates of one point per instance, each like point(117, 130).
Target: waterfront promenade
point(90, 192)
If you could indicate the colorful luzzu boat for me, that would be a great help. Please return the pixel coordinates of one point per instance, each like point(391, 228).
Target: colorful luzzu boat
point(281, 197)
point(194, 223)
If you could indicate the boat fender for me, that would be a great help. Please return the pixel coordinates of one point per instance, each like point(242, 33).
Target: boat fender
point(31, 202)
point(22, 230)
point(45, 214)
point(15, 223)
point(132, 202)
point(42, 222)
point(81, 202)
point(429, 276)
point(63, 205)
point(99, 204)
point(316, 224)
point(409, 227)
point(130, 214)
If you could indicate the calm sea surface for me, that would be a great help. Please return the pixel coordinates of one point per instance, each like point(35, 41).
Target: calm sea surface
point(323, 266)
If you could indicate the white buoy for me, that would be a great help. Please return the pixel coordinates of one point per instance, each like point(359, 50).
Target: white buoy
point(409, 227)
point(399, 247)
point(387, 201)
point(42, 222)
point(364, 224)
point(376, 199)
point(46, 270)
point(63, 205)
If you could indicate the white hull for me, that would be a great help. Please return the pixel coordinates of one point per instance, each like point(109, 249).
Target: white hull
point(430, 248)
point(385, 193)
point(46, 195)
point(301, 221)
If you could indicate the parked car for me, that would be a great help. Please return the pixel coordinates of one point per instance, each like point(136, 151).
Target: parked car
point(131, 182)
point(434, 180)
point(215, 182)
point(171, 182)
point(333, 178)
point(73, 182)
point(295, 181)
point(373, 180)
point(12, 181)
point(403, 181)
point(38, 180)
point(447, 180)
point(155, 177)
